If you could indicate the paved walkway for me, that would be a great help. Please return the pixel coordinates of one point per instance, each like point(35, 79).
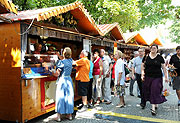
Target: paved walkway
point(132, 113)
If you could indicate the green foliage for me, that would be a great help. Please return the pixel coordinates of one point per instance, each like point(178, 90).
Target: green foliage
point(34, 4)
point(175, 28)
point(24, 4)
point(130, 14)
point(125, 12)
point(65, 20)
point(154, 12)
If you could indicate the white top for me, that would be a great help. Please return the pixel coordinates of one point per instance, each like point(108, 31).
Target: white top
point(105, 65)
point(119, 68)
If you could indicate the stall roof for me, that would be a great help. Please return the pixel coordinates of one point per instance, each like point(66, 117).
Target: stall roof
point(139, 39)
point(86, 23)
point(114, 29)
point(157, 41)
point(7, 6)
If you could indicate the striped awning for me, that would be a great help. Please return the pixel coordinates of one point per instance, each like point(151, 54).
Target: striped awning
point(86, 23)
point(115, 30)
point(157, 42)
point(138, 38)
point(7, 6)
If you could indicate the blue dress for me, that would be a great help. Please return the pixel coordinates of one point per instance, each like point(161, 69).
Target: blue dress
point(64, 90)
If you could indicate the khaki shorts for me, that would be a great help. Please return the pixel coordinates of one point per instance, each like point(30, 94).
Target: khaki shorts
point(120, 90)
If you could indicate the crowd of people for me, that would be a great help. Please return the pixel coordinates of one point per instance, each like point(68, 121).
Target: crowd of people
point(99, 74)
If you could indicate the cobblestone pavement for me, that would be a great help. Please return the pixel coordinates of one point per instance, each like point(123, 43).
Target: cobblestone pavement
point(166, 111)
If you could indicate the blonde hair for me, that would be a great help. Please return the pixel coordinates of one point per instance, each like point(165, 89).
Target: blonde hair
point(67, 52)
point(120, 54)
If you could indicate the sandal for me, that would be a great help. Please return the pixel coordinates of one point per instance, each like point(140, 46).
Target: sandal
point(97, 103)
point(57, 119)
point(120, 106)
point(153, 112)
point(156, 108)
point(70, 118)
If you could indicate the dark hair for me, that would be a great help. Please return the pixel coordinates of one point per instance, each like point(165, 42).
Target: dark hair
point(177, 48)
point(89, 55)
point(141, 48)
point(96, 50)
point(154, 45)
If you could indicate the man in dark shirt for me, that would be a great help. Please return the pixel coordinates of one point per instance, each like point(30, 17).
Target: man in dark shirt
point(175, 61)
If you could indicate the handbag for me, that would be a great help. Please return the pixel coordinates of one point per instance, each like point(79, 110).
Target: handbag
point(172, 72)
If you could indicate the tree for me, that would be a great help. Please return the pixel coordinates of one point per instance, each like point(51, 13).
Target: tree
point(130, 14)
point(155, 12)
point(175, 27)
point(125, 12)
point(34, 4)
point(24, 4)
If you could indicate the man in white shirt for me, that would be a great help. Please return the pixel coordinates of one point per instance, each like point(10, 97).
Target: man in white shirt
point(106, 90)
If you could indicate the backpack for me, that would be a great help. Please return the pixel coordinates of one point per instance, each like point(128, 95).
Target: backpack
point(126, 70)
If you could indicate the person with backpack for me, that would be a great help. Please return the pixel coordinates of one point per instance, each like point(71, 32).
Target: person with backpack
point(175, 63)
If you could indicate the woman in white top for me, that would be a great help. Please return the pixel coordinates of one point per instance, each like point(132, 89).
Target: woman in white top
point(120, 78)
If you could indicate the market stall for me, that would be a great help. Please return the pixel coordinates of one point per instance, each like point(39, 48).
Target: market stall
point(29, 46)
point(133, 42)
point(27, 89)
point(157, 42)
point(110, 34)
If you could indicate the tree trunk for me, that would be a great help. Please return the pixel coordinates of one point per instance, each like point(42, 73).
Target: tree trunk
point(24, 5)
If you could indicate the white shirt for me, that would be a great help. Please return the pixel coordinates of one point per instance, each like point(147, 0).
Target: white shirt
point(105, 66)
point(119, 68)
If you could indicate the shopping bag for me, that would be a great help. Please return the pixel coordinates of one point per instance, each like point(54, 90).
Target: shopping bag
point(166, 89)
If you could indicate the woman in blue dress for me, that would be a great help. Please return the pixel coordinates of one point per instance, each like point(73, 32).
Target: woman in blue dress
point(64, 90)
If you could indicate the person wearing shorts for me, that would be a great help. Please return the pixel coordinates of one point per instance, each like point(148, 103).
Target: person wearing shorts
point(82, 77)
point(175, 61)
point(120, 78)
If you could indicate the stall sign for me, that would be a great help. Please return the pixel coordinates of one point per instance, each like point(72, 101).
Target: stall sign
point(87, 45)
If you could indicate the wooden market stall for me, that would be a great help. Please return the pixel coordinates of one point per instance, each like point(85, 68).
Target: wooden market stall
point(133, 42)
point(157, 41)
point(109, 34)
point(27, 90)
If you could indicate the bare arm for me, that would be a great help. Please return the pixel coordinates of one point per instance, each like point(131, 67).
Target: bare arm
point(133, 70)
point(142, 71)
point(109, 71)
point(57, 73)
point(101, 68)
point(165, 72)
point(110, 67)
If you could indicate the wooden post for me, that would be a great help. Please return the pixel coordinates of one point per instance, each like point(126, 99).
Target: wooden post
point(115, 47)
